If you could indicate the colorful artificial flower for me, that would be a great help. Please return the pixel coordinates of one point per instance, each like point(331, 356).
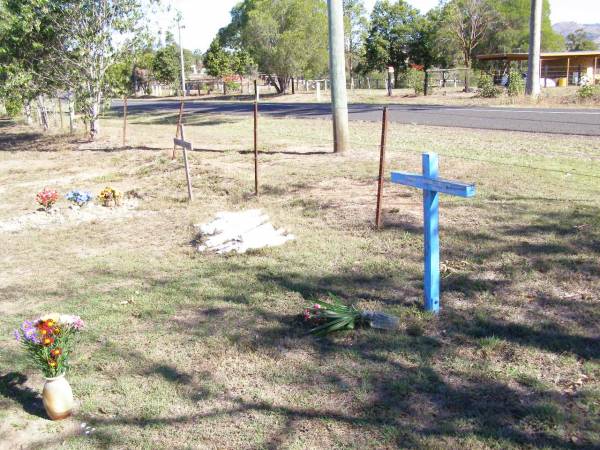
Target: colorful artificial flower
point(47, 198)
point(327, 317)
point(49, 340)
point(79, 198)
point(109, 197)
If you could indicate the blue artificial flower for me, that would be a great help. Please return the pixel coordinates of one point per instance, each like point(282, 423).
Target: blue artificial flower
point(80, 198)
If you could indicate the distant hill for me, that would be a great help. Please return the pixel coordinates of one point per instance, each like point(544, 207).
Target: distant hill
point(592, 29)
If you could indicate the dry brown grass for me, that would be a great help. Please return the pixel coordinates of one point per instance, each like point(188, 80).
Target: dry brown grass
point(198, 351)
point(550, 98)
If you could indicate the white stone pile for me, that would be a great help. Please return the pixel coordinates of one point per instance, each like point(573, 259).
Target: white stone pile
point(239, 232)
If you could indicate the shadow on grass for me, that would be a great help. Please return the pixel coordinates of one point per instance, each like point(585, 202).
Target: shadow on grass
point(412, 402)
point(551, 338)
point(12, 387)
point(394, 382)
point(4, 123)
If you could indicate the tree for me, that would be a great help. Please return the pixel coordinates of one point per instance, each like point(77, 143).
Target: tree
point(217, 61)
point(23, 56)
point(390, 35)
point(76, 41)
point(283, 37)
point(166, 66)
point(469, 21)
point(221, 62)
point(510, 32)
point(355, 32)
point(580, 41)
point(428, 47)
point(241, 63)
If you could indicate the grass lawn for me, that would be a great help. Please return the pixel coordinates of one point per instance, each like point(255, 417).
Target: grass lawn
point(187, 350)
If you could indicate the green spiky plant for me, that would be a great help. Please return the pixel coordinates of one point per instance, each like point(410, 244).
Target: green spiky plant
point(332, 316)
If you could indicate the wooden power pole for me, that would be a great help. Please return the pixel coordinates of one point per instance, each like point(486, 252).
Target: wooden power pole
point(535, 37)
point(337, 69)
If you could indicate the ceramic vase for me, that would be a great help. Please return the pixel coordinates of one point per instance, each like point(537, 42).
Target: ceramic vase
point(58, 398)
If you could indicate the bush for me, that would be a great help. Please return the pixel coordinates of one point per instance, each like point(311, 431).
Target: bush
point(588, 92)
point(516, 83)
point(13, 106)
point(232, 85)
point(486, 86)
point(415, 79)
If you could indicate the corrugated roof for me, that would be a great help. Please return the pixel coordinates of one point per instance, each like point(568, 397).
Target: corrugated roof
point(524, 56)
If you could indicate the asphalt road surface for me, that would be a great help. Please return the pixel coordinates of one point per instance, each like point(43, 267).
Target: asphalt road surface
point(537, 120)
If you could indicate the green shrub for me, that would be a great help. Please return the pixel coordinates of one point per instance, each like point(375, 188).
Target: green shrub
point(415, 79)
point(588, 92)
point(232, 85)
point(13, 106)
point(486, 86)
point(516, 83)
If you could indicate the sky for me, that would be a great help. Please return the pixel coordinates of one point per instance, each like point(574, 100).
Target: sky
point(203, 18)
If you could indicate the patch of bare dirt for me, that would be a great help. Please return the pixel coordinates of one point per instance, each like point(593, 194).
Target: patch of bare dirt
point(70, 216)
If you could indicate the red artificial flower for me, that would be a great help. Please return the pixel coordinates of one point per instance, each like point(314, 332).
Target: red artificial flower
point(307, 314)
point(52, 363)
point(47, 197)
point(56, 352)
point(47, 341)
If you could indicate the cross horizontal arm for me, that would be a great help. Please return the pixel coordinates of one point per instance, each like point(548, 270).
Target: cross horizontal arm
point(434, 184)
point(184, 144)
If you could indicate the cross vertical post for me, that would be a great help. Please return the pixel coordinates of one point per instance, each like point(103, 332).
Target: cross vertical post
point(432, 187)
point(431, 203)
point(256, 149)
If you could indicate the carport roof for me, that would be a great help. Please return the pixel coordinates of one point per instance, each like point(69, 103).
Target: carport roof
point(546, 55)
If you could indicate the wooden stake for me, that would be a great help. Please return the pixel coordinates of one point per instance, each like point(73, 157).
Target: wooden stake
point(124, 120)
point(187, 170)
point(381, 168)
point(60, 112)
point(179, 128)
point(256, 148)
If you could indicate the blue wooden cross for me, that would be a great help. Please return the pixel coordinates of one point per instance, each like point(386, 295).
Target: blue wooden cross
point(432, 186)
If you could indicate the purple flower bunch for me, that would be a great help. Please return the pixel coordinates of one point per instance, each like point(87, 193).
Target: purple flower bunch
point(28, 332)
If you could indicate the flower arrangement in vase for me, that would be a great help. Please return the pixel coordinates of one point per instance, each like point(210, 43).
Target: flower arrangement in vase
point(46, 198)
point(109, 197)
point(79, 198)
point(48, 342)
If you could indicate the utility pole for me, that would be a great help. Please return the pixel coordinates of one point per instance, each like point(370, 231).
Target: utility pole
point(535, 38)
point(337, 69)
point(179, 27)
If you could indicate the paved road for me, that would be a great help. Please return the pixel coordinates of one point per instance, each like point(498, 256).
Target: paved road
point(559, 121)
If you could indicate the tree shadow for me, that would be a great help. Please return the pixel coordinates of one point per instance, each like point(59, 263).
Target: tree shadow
point(544, 336)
